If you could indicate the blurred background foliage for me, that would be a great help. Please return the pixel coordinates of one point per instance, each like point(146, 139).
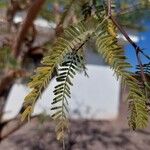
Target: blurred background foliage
point(131, 13)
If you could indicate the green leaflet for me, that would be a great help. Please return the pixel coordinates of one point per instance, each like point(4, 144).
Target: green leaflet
point(73, 36)
point(146, 85)
point(66, 72)
point(65, 56)
point(113, 54)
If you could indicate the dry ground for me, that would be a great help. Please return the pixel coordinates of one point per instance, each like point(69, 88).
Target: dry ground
point(84, 135)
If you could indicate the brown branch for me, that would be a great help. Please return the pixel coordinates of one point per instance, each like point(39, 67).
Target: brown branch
point(27, 23)
point(8, 79)
point(141, 65)
point(59, 27)
point(81, 45)
point(12, 125)
point(135, 46)
point(146, 56)
point(109, 7)
point(5, 84)
point(17, 126)
point(10, 76)
point(66, 13)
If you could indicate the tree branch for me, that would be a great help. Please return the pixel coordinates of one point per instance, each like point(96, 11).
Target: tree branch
point(59, 27)
point(109, 7)
point(11, 129)
point(27, 23)
point(135, 46)
point(8, 79)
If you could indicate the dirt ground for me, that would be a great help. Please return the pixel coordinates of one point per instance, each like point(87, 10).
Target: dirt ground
point(84, 135)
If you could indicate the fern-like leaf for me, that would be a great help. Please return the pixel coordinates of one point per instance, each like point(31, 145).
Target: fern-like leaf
point(146, 85)
point(66, 73)
point(72, 37)
point(113, 54)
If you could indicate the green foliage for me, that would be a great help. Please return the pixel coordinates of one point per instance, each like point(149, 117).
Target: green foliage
point(146, 68)
point(73, 36)
point(64, 57)
point(146, 85)
point(47, 12)
point(66, 72)
point(114, 56)
point(3, 4)
point(132, 14)
point(6, 60)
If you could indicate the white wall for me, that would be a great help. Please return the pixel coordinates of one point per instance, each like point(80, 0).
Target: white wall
point(96, 97)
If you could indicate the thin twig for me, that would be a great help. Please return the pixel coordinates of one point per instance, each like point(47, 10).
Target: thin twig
point(80, 46)
point(109, 7)
point(135, 46)
point(66, 13)
point(148, 57)
point(59, 28)
point(27, 23)
point(18, 125)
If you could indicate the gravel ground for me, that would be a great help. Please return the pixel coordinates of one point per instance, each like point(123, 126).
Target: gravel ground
point(84, 135)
